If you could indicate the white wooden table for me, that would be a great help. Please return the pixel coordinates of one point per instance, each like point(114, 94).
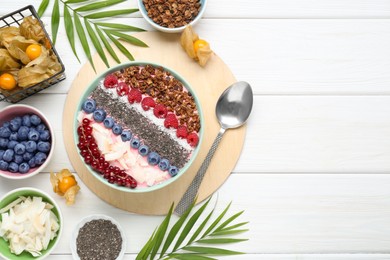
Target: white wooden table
point(313, 177)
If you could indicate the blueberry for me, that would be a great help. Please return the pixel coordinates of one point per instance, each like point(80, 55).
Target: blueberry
point(13, 167)
point(153, 158)
point(15, 124)
point(3, 142)
point(5, 132)
point(6, 124)
point(117, 129)
point(1, 153)
point(173, 171)
point(23, 133)
point(12, 144)
point(89, 106)
point(26, 120)
point(43, 146)
point(35, 120)
point(126, 136)
point(108, 122)
point(33, 135)
point(20, 149)
point(99, 115)
point(32, 163)
point(24, 167)
point(135, 143)
point(8, 155)
point(143, 150)
point(164, 164)
point(3, 165)
point(44, 135)
point(40, 158)
point(13, 136)
point(18, 158)
point(27, 156)
point(31, 146)
point(40, 127)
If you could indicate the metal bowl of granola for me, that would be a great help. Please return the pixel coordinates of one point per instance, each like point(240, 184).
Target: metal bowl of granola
point(172, 16)
point(138, 127)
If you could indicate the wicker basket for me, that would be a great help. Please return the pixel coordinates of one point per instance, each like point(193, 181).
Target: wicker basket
point(14, 96)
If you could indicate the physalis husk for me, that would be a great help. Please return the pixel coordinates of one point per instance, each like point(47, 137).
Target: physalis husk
point(64, 184)
point(197, 49)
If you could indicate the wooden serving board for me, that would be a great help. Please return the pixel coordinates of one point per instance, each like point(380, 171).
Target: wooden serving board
point(208, 83)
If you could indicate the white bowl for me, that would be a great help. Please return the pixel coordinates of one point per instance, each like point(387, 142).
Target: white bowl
point(144, 13)
point(73, 244)
point(9, 113)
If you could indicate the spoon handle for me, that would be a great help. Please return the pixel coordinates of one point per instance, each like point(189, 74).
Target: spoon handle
point(189, 195)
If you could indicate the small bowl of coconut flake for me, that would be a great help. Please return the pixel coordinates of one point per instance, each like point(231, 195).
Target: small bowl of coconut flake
point(30, 224)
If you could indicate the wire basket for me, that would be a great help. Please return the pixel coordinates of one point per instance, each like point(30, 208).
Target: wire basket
point(15, 19)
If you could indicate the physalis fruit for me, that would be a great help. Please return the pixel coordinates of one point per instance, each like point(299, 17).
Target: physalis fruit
point(64, 184)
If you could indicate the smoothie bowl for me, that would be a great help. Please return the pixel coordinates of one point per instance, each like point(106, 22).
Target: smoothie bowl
point(138, 127)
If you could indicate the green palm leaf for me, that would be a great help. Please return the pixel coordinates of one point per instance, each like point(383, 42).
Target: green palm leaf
point(70, 30)
point(189, 225)
point(75, 1)
point(228, 221)
point(121, 27)
point(220, 240)
point(228, 232)
point(192, 257)
point(211, 250)
point(55, 20)
point(112, 13)
point(234, 226)
point(212, 226)
point(107, 44)
point(42, 7)
point(83, 38)
point(127, 38)
point(200, 228)
point(96, 42)
point(158, 239)
point(145, 251)
point(120, 47)
point(98, 5)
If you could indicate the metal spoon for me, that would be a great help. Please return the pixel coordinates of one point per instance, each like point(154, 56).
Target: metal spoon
point(232, 110)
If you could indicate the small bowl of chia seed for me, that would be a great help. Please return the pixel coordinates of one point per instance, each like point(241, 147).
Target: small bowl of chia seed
point(98, 237)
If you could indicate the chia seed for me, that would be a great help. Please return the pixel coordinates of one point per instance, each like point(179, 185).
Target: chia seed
point(141, 126)
point(99, 239)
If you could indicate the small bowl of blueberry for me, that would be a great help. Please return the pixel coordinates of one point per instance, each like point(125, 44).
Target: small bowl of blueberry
point(26, 141)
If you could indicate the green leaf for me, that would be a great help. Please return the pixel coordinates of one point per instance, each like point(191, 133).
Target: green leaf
point(98, 5)
point(228, 221)
point(121, 47)
point(235, 226)
point(160, 234)
point(127, 38)
point(175, 229)
point(121, 27)
point(42, 7)
point(200, 228)
point(75, 1)
point(191, 222)
point(70, 30)
point(96, 42)
point(109, 14)
point(220, 240)
point(107, 44)
point(216, 221)
point(211, 250)
point(192, 257)
point(55, 20)
point(228, 232)
point(145, 251)
point(83, 38)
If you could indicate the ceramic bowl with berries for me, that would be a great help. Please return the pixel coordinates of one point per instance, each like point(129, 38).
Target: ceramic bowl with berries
point(26, 141)
point(172, 16)
point(138, 127)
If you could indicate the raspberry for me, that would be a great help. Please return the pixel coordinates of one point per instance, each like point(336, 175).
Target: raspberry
point(160, 111)
point(182, 132)
point(171, 121)
point(122, 89)
point(134, 96)
point(193, 139)
point(147, 103)
point(110, 81)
